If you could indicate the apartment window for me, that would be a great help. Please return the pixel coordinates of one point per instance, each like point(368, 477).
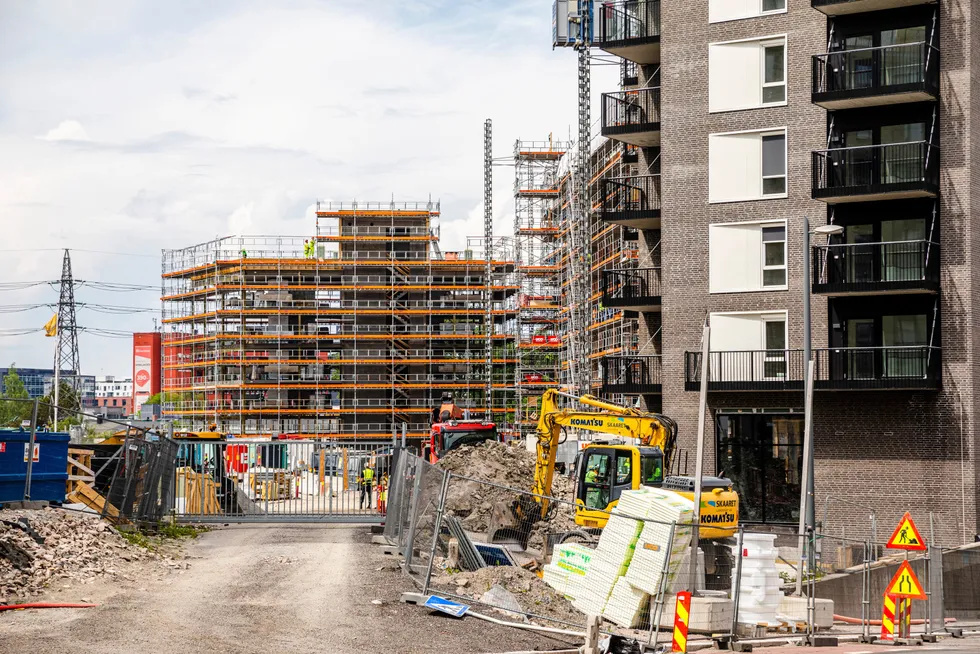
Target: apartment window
point(744, 257)
point(724, 10)
point(773, 256)
point(774, 164)
point(774, 339)
point(774, 73)
point(746, 166)
point(747, 74)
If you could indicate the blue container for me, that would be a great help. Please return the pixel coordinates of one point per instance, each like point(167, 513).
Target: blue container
point(49, 471)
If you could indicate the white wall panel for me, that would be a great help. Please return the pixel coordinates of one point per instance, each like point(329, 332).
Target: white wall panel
point(734, 167)
point(721, 10)
point(734, 258)
point(734, 75)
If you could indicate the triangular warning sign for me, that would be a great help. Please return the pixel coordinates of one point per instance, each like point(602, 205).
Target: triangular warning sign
point(906, 584)
point(906, 536)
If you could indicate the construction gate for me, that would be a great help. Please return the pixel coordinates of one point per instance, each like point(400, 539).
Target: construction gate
point(279, 481)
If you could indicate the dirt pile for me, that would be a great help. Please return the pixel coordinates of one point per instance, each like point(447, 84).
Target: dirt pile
point(512, 470)
point(38, 548)
point(534, 596)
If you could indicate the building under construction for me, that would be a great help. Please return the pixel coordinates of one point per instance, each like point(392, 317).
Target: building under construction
point(357, 337)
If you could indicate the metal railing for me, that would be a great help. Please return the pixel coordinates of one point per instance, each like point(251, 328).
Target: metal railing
point(631, 111)
point(629, 20)
point(630, 197)
point(635, 374)
point(885, 69)
point(838, 368)
point(630, 288)
point(862, 170)
point(869, 267)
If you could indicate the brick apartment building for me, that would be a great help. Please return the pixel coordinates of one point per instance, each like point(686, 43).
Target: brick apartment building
point(753, 114)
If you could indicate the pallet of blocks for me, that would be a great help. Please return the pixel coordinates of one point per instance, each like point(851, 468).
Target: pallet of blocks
point(200, 492)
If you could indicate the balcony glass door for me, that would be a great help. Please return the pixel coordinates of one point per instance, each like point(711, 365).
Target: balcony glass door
point(858, 68)
point(904, 333)
point(860, 362)
point(902, 163)
point(902, 253)
point(774, 366)
point(859, 262)
point(902, 65)
point(857, 166)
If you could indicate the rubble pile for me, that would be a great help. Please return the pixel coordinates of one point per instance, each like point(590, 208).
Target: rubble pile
point(38, 548)
point(533, 595)
point(508, 467)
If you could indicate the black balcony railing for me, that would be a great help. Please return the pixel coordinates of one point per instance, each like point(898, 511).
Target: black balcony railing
point(872, 268)
point(631, 200)
point(870, 76)
point(637, 374)
point(631, 29)
point(637, 289)
point(842, 7)
point(893, 170)
point(632, 116)
point(843, 368)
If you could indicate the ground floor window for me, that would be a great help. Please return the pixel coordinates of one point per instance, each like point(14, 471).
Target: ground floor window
point(762, 453)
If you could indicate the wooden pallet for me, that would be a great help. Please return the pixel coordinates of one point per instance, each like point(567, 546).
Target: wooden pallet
point(85, 494)
point(200, 492)
point(79, 469)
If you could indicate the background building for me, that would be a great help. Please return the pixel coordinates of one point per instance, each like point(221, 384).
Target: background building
point(147, 369)
point(40, 381)
point(110, 386)
point(357, 341)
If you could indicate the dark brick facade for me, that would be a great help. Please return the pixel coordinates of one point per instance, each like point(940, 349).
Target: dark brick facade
point(894, 450)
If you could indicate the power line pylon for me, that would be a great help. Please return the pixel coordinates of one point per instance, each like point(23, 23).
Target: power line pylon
point(66, 352)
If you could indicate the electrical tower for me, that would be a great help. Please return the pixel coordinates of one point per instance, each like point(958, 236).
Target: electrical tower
point(488, 254)
point(66, 351)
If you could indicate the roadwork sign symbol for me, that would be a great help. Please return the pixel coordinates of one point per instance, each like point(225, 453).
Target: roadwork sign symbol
point(454, 609)
point(906, 536)
point(906, 584)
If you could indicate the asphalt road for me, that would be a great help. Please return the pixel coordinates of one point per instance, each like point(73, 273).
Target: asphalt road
point(259, 589)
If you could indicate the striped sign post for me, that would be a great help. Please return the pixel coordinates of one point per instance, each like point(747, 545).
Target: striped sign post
point(888, 617)
point(682, 615)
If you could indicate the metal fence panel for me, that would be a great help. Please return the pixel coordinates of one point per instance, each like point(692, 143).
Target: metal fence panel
point(142, 484)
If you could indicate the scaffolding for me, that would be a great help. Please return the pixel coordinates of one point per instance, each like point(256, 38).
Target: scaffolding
point(540, 256)
point(357, 339)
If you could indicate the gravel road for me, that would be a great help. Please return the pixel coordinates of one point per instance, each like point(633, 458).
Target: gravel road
point(259, 589)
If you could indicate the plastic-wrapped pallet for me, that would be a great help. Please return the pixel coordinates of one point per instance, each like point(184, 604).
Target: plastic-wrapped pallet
point(609, 562)
point(647, 566)
point(760, 589)
point(557, 578)
point(569, 565)
point(626, 605)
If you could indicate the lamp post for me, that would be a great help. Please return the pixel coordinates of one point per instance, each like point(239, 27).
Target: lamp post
point(807, 513)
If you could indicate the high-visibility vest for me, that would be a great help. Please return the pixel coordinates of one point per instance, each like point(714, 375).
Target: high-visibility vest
point(368, 475)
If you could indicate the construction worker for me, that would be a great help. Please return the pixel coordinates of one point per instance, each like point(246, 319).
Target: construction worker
point(244, 254)
point(366, 483)
point(306, 249)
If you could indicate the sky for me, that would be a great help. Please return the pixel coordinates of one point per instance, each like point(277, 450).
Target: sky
point(132, 126)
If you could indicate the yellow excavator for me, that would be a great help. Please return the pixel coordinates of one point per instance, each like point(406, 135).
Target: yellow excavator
point(638, 451)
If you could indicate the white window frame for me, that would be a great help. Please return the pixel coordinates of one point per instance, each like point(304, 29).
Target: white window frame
point(763, 177)
point(780, 356)
point(784, 223)
point(758, 12)
point(781, 41)
point(783, 267)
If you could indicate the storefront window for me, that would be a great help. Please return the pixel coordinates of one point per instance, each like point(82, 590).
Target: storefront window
point(763, 456)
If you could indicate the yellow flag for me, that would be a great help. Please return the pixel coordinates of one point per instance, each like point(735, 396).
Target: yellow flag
point(51, 326)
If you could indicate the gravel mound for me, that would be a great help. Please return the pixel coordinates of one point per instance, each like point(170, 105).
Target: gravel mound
point(39, 547)
point(512, 470)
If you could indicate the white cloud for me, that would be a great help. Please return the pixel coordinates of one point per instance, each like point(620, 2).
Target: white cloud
point(67, 130)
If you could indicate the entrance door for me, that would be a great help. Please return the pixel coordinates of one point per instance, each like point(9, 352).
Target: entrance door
point(860, 362)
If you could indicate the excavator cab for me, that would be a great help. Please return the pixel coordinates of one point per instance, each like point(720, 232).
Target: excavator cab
point(608, 470)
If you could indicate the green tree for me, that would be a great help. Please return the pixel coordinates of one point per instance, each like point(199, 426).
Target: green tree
point(68, 403)
point(13, 413)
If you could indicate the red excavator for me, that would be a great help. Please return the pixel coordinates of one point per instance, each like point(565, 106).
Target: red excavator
point(451, 429)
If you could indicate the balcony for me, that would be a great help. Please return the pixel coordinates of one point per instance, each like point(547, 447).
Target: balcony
point(630, 30)
point(835, 369)
point(844, 7)
point(876, 172)
point(632, 116)
point(631, 201)
point(631, 375)
point(876, 268)
point(876, 76)
point(634, 290)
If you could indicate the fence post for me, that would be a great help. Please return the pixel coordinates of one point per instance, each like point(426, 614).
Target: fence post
point(30, 453)
point(737, 585)
point(413, 516)
point(811, 604)
point(658, 611)
point(866, 591)
point(435, 534)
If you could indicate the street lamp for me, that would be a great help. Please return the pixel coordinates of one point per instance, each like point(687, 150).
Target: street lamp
point(807, 513)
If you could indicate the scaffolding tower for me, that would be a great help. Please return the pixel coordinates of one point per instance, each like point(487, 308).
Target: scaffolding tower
point(358, 339)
